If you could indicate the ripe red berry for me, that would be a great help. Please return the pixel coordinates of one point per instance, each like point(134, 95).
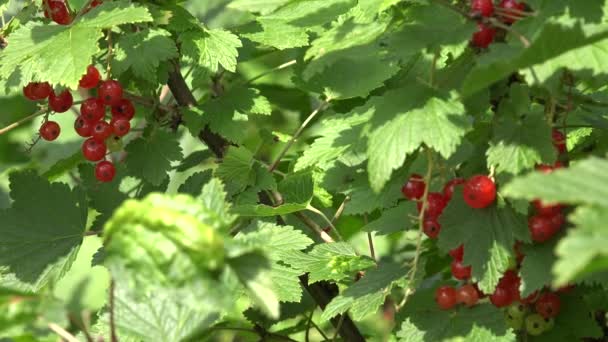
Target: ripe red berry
point(61, 103)
point(414, 188)
point(559, 140)
point(545, 209)
point(541, 228)
point(49, 130)
point(544, 168)
point(93, 149)
point(59, 12)
point(501, 297)
point(124, 109)
point(457, 253)
point(92, 110)
point(101, 130)
point(120, 127)
point(484, 36)
point(91, 78)
point(37, 90)
point(445, 296)
point(448, 189)
point(519, 255)
point(105, 171)
point(110, 92)
point(460, 271)
point(557, 221)
point(435, 204)
point(479, 192)
point(467, 295)
point(548, 305)
point(485, 8)
point(431, 227)
point(511, 281)
point(96, 3)
point(531, 298)
point(83, 127)
point(508, 6)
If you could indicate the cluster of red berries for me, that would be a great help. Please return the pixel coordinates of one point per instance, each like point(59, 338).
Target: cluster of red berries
point(91, 123)
point(548, 217)
point(59, 11)
point(447, 296)
point(535, 313)
point(509, 13)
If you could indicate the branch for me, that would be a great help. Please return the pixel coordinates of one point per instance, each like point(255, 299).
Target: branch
point(25, 119)
point(64, 334)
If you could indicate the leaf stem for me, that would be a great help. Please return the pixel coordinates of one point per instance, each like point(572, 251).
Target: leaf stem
point(109, 57)
point(340, 209)
point(299, 131)
point(326, 219)
point(340, 322)
point(521, 37)
point(268, 72)
point(21, 121)
point(370, 239)
point(64, 334)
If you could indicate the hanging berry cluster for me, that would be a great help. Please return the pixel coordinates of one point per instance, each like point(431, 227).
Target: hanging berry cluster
point(91, 123)
point(508, 12)
point(59, 11)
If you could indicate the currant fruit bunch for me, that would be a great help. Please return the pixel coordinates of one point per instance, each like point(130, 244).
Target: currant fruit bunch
point(507, 11)
point(59, 10)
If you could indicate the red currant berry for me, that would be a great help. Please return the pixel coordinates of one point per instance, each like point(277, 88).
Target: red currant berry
point(431, 227)
point(559, 140)
point(83, 127)
point(448, 189)
point(479, 192)
point(92, 110)
point(557, 221)
point(101, 130)
point(61, 103)
point(435, 204)
point(460, 271)
point(110, 92)
point(484, 36)
point(120, 127)
point(445, 296)
point(548, 305)
point(457, 253)
point(59, 12)
point(414, 188)
point(510, 7)
point(541, 228)
point(544, 209)
point(467, 295)
point(91, 78)
point(96, 3)
point(124, 109)
point(519, 255)
point(105, 171)
point(501, 297)
point(93, 149)
point(531, 298)
point(544, 168)
point(37, 90)
point(49, 130)
point(485, 8)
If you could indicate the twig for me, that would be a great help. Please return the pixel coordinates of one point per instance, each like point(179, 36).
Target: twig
point(113, 335)
point(340, 322)
point(299, 131)
point(84, 9)
point(515, 11)
point(370, 239)
point(521, 37)
point(326, 219)
point(19, 122)
point(109, 57)
point(315, 227)
point(268, 72)
point(64, 334)
point(340, 209)
point(308, 325)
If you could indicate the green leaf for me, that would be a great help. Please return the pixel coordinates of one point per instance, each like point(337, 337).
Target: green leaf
point(33, 48)
point(194, 184)
point(536, 268)
point(227, 114)
point(279, 35)
point(194, 159)
point(104, 197)
point(427, 322)
point(211, 48)
point(553, 40)
point(488, 236)
point(328, 261)
point(582, 251)
point(258, 6)
point(164, 239)
point(392, 220)
point(364, 297)
point(236, 169)
point(404, 119)
point(297, 190)
point(150, 157)
point(581, 183)
point(42, 230)
point(142, 52)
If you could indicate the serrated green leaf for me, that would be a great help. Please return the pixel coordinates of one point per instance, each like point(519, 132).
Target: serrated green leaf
point(142, 52)
point(393, 220)
point(150, 157)
point(258, 6)
point(42, 230)
point(194, 184)
point(328, 261)
point(404, 119)
point(212, 48)
point(581, 183)
point(365, 296)
point(33, 48)
point(236, 169)
point(104, 197)
point(535, 271)
point(488, 236)
point(194, 159)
